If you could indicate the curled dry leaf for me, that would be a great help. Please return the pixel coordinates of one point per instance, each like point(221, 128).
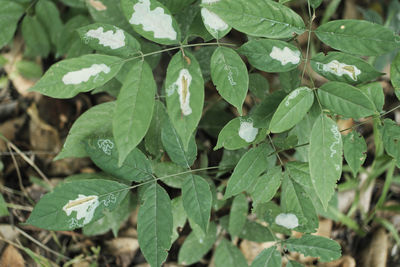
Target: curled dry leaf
point(11, 258)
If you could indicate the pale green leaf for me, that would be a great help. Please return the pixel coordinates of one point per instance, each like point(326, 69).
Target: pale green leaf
point(49, 16)
point(355, 151)
point(175, 174)
point(374, 91)
point(294, 264)
point(74, 204)
point(193, 248)
point(238, 215)
point(185, 94)
point(292, 109)
point(267, 185)
point(315, 246)
point(337, 66)
point(197, 200)
point(228, 255)
point(325, 156)
point(134, 109)
point(250, 166)
point(271, 55)
point(261, 18)
point(10, 14)
point(390, 138)
point(268, 257)
point(69, 77)
point(152, 20)
point(103, 152)
point(229, 74)
point(358, 37)
point(346, 100)
point(395, 75)
point(262, 114)
point(95, 121)
point(155, 221)
point(109, 39)
point(179, 217)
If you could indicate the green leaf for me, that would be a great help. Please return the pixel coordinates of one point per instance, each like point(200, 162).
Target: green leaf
point(294, 264)
point(358, 37)
point(74, 204)
point(174, 146)
point(185, 94)
point(110, 12)
point(345, 100)
point(292, 109)
point(258, 85)
point(271, 55)
point(152, 20)
point(267, 185)
point(49, 16)
point(197, 200)
point(176, 5)
point(315, 3)
point(213, 23)
point(315, 246)
point(134, 109)
point(256, 232)
point(37, 42)
point(341, 67)
point(238, 214)
point(262, 114)
point(3, 207)
point(193, 248)
point(325, 156)
point(29, 69)
point(185, 19)
point(355, 151)
point(395, 75)
point(268, 257)
point(103, 152)
point(290, 80)
point(228, 255)
point(239, 133)
point(10, 14)
point(229, 74)
point(176, 175)
point(95, 121)
point(179, 217)
point(114, 219)
point(390, 138)
point(109, 39)
point(374, 91)
point(155, 223)
point(69, 77)
point(250, 166)
point(261, 18)
point(152, 139)
point(203, 56)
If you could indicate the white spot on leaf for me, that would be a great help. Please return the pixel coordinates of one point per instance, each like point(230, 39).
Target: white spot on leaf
point(182, 85)
point(109, 38)
point(85, 206)
point(106, 145)
point(340, 69)
point(287, 220)
point(83, 75)
point(294, 94)
point(153, 20)
point(336, 135)
point(213, 21)
point(209, 1)
point(247, 132)
point(285, 55)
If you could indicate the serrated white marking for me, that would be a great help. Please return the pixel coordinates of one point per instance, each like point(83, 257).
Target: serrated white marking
point(247, 132)
point(83, 75)
point(85, 206)
point(109, 38)
point(106, 145)
point(285, 55)
point(153, 20)
point(182, 86)
point(336, 135)
point(213, 21)
point(287, 220)
point(340, 69)
point(294, 94)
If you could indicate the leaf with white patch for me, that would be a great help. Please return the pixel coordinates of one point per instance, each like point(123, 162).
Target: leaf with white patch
point(229, 74)
point(358, 37)
point(10, 14)
point(74, 204)
point(95, 121)
point(315, 246)
point(134, 109)
point(109, 39)
point(238, 215)
point(271, 55)
point(346, 100)
point(325, 156)
point(213, 23)
point(337, 66)
point(103, 152)
point(152, 20)
point(355, 151)
point(267, 185)
point(193, 248)
point(250, 166)
point(69, 77)
point(155, 221)
point(239, 132)
point(228, 255)
point(185, 94)
point(268, 257)
point(262, 18)
point(197, 200)
point(292, 109)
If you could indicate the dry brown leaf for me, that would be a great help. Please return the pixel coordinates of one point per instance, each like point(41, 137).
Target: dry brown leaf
point(11, 258)
point(345, 261)
point(325, 228)
point(375, 254)
point(124, 248)
point(9, 129)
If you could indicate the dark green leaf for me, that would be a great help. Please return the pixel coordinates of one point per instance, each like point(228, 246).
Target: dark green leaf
point(262, 114)
point(37, 42)
point(10, 14)
point(238, 215)
point(258, 85)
